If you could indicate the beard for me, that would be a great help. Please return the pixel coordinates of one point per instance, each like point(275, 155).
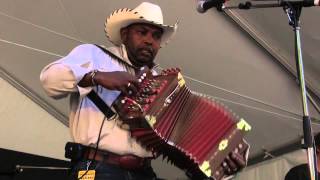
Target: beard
point(141, 56)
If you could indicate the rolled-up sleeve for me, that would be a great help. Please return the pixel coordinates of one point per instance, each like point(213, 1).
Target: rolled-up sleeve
point(62, 76)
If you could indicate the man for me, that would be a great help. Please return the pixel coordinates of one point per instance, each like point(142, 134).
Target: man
point(137, 35)
point(301, 172)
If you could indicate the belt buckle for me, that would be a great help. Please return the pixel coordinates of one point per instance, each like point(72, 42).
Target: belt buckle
point(130, 162)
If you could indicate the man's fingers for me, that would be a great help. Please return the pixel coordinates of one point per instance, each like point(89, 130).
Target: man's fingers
point(144, 73)
point(128, 90)
point(131, 89)
point(135, 83)
point(232, 165)
point(124, 90)
point(143, 70)
point(238, 159)
point(226, 168)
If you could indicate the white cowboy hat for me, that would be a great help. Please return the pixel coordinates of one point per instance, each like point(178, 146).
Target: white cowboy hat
point(144, 13)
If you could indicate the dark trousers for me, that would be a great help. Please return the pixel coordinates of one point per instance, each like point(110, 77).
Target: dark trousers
point(112, 172)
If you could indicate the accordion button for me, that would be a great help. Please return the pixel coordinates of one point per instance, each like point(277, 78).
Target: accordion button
point(224, 164)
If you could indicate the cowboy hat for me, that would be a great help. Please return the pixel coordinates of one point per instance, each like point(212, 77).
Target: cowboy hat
point(144, 13)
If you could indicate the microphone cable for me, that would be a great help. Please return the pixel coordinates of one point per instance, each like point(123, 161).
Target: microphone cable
point(96, 148)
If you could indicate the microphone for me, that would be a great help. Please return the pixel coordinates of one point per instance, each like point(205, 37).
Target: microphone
point(204, 5)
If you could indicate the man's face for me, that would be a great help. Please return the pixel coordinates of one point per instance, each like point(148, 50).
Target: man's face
point(142, 42)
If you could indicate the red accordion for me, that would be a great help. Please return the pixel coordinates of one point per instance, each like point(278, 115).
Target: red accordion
point(193, 131)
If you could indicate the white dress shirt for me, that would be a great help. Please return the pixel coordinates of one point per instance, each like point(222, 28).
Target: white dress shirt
point(61, 78)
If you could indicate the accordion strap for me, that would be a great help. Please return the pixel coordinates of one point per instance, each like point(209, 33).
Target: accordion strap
point(95, 98)
point(103, 107)
point(115, 57)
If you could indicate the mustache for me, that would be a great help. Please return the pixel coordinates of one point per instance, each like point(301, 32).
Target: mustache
point(148, 49)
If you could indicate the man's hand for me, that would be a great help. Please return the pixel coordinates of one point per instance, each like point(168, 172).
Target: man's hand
point(118, 80)
point(233, 163)
point(144, 70)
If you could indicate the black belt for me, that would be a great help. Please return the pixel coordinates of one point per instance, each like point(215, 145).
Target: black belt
point(130, 162)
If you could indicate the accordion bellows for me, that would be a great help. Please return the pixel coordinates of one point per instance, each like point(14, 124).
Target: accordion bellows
point(194, 132)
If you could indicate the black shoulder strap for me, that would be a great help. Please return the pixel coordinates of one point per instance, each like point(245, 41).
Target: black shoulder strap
point(113, 56)
point(94, 97)
point(103, 107)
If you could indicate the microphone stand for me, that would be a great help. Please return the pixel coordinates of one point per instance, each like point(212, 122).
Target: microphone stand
point(293, 10)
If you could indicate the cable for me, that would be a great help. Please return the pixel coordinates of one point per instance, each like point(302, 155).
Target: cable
point(31, 48)
point(41, 27)
point(188, 77)
point(72, 38)
point(96, 149)
point(255, 108)
point(68, 17)
point(242, 96)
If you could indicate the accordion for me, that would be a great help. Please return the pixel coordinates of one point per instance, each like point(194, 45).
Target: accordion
point(194, 132)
